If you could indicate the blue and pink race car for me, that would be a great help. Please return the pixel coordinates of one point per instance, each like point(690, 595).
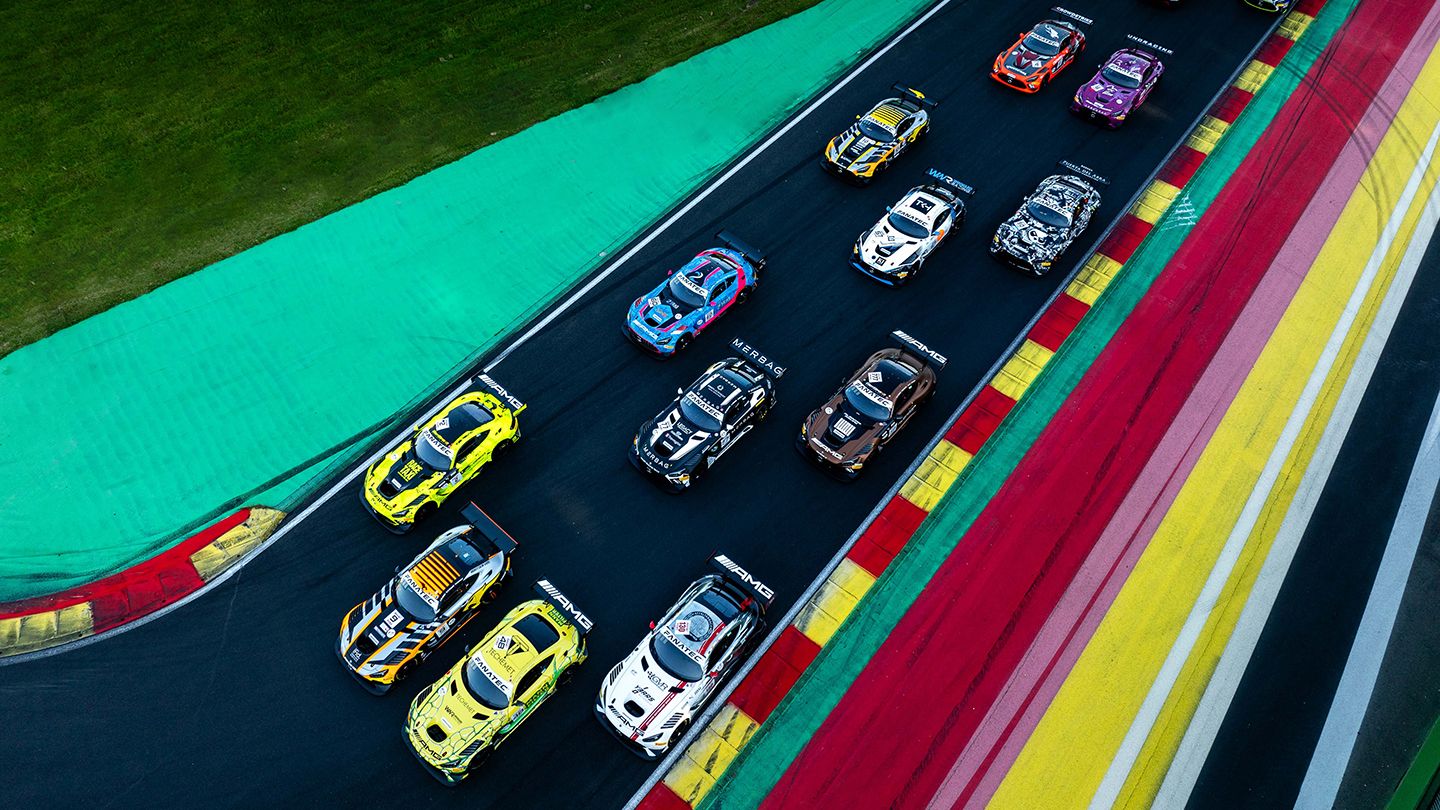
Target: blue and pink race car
point(666, 319)
point(1120, 86)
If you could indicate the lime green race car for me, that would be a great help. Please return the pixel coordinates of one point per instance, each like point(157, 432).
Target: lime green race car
point(456, 722)
point(410, 482)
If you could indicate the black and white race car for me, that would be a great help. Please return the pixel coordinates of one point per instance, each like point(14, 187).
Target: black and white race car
point(649, 699)
point(895, 248)
point(1051, 218)
point(706, 419)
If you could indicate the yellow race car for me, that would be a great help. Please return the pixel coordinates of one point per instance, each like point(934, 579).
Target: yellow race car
point(878, 137)
point(410, 482)
point(426, 603)
point(458, 721)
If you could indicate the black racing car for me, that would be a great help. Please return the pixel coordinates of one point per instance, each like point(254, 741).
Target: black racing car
point(1048, 220)
point(734, 395)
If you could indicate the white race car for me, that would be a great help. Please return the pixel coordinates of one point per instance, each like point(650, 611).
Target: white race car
point(649, 699)
point(893, 251)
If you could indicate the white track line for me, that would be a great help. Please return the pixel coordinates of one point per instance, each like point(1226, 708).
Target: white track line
point(1362, 668)
point(1220, 691)
point(1144, 721)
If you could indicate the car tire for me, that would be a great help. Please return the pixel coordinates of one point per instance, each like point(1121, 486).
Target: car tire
point(682, 344)
point(567, 676)
point(502, 448)
point(423, 513)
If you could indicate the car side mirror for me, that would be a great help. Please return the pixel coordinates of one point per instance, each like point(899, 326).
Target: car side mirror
point(888, 209)
point(652, 625)
point(857, 118)
point(679, 392)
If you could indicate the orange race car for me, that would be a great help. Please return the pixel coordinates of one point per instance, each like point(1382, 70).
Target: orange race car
point(1040, 54)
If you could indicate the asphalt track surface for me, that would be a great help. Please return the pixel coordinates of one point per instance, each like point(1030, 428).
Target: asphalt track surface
point(237, 699)
point(1261, 753)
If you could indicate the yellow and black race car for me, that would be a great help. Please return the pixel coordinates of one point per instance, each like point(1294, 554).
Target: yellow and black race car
point(878, 137)
point(426, 603)
point(456, 722)
point(408, 483)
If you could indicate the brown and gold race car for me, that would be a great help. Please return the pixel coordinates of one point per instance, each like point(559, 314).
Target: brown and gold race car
point(871, 407)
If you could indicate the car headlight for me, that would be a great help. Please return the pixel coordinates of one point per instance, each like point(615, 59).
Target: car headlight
point(1121, 116)
point(371, 669)
point(804, 431)
point(854, 465)
point(653, 738)
point(679, 477)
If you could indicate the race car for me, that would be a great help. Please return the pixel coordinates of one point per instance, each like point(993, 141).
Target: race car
point(895, 248)
point(878, 137)
point(649, 699)
point(1040, 54)
point(684, 441)
point(427, 602)
point(872, 406)
point(410, 482)
point(1120, 86)
point(1052, 217)
point(457, 722)
point(665, 320)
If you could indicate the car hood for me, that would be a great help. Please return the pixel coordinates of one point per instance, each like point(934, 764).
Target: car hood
point(448, 719)
point(387, 478)
point(851, 147)
point(885, 247)
point(670, 440)
point(1024, 61)
point(1102, 93)
point(639, 698)
point(839, 432)
point(659, 310)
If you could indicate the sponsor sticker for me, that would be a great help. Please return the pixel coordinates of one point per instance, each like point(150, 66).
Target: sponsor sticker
point(965, 188)
point(410, 470)
point(1072, 15)
point(682, 626)
point(864, 390)
point(500, 391)
point(1129, 74)
point(912, 343)
point(699, 402)
point(874, 377)
point(502, 643)
point(1151, 45)
point(563, 602)
point(1085, 171)
point(765, 591)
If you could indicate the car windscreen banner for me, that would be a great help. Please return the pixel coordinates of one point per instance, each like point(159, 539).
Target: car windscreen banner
point(964, 188)
point(1080, 18)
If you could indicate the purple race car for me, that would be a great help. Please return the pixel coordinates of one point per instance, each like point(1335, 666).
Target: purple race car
point(1122, 84)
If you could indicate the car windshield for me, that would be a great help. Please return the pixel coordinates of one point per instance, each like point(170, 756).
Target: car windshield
point(413, 603)
point(1047, 215)
point(908, 226)
point(868, 401)
point(432, 452)
point(487, 687)
point(1041, 44)
point(875, 131)
point(686, 291)
point(674, 660)
point(1120, 78)
point(699, 413)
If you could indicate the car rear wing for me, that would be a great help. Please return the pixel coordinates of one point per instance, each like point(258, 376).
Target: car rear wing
point(757, 358)
point(731, 570)
point(1085, 172)
point(964, 188)
point(934, 358)
point(1083, 20)
point(914, 96)
point(1145, 43)
point(489, 529)
point(488, 384)
point(552, 594)
point(754, 256)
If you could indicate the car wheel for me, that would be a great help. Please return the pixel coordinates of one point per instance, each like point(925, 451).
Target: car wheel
point(490, 595)
point(567, 676)
point(502, 447)
point(680, 731)
point(744, 294)
point(481, 758)
point(920, 136)
point(682, 343)
point(424, 512)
